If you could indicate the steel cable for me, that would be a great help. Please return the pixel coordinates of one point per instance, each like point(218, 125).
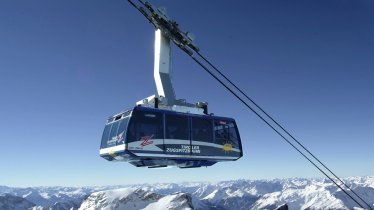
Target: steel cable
point(140, 9)
point(280, 126)
point(272, 127)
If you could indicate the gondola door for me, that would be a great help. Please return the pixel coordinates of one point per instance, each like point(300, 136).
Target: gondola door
point(177, 135)
point(202, 141)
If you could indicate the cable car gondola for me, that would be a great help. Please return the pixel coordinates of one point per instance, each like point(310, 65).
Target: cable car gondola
point(164, 131)
point(154, 137)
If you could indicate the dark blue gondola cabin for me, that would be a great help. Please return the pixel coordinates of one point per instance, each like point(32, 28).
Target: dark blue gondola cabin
point(154, 137)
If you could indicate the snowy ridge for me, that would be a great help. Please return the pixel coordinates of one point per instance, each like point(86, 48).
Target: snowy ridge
point(53, 197)
point(180, 201)
point(297, 193)
point(134, 199)
point(13, 202)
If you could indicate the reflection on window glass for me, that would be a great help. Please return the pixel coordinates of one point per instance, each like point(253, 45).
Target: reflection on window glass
point(233, 135)
point(105, 136)
point(202, 130)
point(122, 130)
point(145, 125)
point(113, 135)
point(176, 127)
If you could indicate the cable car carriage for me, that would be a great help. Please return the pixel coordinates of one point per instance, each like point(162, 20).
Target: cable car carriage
point(163, 131)
point(154, 137)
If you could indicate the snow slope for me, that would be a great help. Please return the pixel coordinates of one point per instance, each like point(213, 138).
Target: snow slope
point(134, 199)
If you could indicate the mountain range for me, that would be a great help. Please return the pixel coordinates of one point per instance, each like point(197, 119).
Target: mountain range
point(294, 193)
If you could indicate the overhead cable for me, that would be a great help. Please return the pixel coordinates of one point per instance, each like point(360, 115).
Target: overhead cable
point(280, 126)
point(182, 39)
point(273, 128)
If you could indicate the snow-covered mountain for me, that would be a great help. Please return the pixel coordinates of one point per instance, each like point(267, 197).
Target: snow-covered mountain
point(294, 193)
point(53, 197)
point(136, 198)
point(269, 194)
point(8, 202)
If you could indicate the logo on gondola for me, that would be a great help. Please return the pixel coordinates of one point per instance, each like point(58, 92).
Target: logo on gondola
point(112, 153)
point(120, 137)
point(227, 147)
point(147, 140)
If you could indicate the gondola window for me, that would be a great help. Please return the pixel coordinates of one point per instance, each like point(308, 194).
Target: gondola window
point(202, 129)
point(177, 127)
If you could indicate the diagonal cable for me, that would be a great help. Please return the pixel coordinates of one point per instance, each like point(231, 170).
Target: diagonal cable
point(185, 45)
point(273, 128)
point(280, 126)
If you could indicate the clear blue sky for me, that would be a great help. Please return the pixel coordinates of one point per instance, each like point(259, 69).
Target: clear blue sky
point(65, 66)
